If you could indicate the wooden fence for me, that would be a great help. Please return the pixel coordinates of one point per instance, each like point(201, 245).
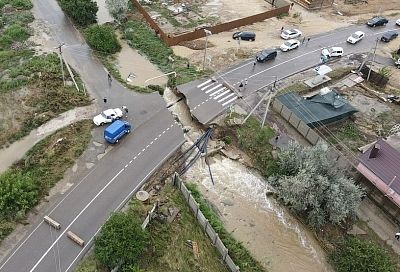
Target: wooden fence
point(283, 7)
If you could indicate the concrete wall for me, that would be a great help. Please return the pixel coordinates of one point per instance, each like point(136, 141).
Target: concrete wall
point(174, 40)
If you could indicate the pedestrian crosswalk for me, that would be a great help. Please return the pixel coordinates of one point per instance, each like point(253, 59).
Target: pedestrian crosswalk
point(217, 91)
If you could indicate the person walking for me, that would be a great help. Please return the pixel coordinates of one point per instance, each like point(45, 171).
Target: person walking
point(105, 99)
point(303, 40)
point(397, 236)
point(282, 29)
point(240, 86)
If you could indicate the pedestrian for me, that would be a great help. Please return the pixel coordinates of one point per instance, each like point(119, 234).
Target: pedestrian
point(308, 40)
point(255, 63)
point(105, 99)
point(187, 65)
point(109, 78)
point(125, 108)
point(291, 5)
point(240, 85)
point(302, 41)
point(397, 236)
point(282, 29)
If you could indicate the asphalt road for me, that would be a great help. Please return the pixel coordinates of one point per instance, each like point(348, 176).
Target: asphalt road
point(111, 182)
point(208, 98)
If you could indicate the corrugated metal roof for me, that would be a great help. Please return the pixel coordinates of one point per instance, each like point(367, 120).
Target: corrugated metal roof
point(317, 110)
point(386, 165)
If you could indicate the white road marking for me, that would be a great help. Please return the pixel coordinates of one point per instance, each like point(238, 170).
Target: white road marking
point(163, 132)
point(159, 135)
point(126, 166)
point(217, 91)
point(73, 221)
point(209, 85)
point(151, 142)
point(138, 154)
point(221, 94)
point(204, 83)
point(226, 97)
point(143, 149)
point(229, 101)
point(213, 88)
point(130, 161)
point(147, 146)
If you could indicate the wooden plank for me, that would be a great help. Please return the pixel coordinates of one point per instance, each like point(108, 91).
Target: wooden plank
point(75, 238)
point(52, 222)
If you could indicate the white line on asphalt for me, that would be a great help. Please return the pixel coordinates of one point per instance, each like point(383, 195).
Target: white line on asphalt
point(130, 161)
point(168, 129)
point(217, 91)
point(163, 132)
point(126, 166)
point(147, 146)
point(73, 221)
point(159, 135)
point(226, 97)
point(171, 125)
point(213, 88)
point(138, 154)
point(221, 94)
point(143, 149)
point(205, 87)
point(119, 206)
point(134, 158)
point(152, 142)
point(204, 83)
point(229, 101)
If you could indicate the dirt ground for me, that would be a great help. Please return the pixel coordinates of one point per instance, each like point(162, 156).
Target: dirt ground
point(222, 51)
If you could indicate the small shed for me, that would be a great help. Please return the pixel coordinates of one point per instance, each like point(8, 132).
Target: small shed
point(323, 108)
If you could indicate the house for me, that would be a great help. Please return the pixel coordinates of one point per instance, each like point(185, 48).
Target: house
point(380, 165)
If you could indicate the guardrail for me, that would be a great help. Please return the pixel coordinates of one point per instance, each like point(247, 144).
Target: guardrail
point(207, 228)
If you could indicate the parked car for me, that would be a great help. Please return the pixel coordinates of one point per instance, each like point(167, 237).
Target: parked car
point(244, 35)
point(107, 116)
point(290, 45)
point(398, 22)
point(290, 34)
point(377, 21)
point(356, 37)
point(332, 52)
point(114, 132)
point(388, 36)
point(266, 54)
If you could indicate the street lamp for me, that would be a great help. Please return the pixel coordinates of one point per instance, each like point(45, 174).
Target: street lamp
point(208, 33)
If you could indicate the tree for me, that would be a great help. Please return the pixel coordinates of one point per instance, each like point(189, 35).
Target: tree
point(310, 183)
point(117, 8)
point(102, 38)
point(120, 241)
point(356, 255)
point(82, 12)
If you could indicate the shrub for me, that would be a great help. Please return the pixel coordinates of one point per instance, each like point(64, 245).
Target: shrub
point(18, 4)
point(356, 255)
point(82, 12)
point(13, 33)
point(121, 240)
point(102, 38)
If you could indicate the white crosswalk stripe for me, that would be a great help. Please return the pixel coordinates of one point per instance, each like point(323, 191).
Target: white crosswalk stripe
point(218, 91)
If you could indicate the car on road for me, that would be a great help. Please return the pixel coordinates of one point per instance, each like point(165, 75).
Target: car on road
point(290, 34)
point(114, 132)
point(332, 52)
point(389, 35)
point(356, 37)
point(266, 54)
point(107, 116)
point(398, 22)
point(290, 45)
point(244, 35)
point(377, 21)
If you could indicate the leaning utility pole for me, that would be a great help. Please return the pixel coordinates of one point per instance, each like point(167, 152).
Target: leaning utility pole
point(61, 61)
point(373, 59)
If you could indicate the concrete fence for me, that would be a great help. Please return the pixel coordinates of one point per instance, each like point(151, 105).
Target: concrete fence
point(296, 122)
point(205, 225)
point(282, 7)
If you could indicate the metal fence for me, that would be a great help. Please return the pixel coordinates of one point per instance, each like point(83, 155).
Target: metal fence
point(205, 225)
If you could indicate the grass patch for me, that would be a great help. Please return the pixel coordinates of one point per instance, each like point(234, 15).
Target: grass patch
point(142, 38)
point(30, 179)
point(254, 141)
point(298, 87)
point(339, 73)
point(240, 255)
point(18, 4)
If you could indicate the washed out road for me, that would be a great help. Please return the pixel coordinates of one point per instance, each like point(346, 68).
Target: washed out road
point(111, 182)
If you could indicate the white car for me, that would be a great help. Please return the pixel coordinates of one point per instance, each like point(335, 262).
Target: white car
point(332, 52)
point(290, 34)
point(356, 37)
point(289, 45)
point(398, 22)
point(107, 116)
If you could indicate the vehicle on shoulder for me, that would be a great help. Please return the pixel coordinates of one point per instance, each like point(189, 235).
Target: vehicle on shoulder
point(377, 21)
point(356, 37)
point(332, 52)
point(398, 22)
point(244, 36)
point(266, 54)
point(388, 36)
point(290, 34)
point(107, 116)
point(114, 132)
point(290, 45)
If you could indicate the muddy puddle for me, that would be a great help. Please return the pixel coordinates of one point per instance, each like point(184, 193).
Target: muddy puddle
point(266, 228)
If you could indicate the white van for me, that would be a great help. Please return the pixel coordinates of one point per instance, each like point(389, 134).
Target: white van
point(332, 52)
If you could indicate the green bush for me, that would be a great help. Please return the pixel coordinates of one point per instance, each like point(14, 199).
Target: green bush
point(24, 17)
point(18, 4)
point(120, 241)
point(82, 12)
point(356, 255)
point(102, 38)
point(14, 33)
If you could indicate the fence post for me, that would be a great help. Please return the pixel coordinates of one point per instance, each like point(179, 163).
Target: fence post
point(206, 225)
point(197, 210)
point(225, 254)
point(215, 239)
point(189, 195)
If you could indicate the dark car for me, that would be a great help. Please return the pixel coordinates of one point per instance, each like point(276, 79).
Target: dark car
point(388, 36)
point(244, 35)
point(377, 21)
point(267, 54)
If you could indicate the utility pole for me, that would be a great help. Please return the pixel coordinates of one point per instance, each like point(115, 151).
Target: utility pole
point(61, 61)
point(373, 59)
point(266, 110)
point(208, 33)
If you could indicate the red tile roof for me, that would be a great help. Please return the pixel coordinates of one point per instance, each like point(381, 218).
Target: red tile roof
point(386, 164)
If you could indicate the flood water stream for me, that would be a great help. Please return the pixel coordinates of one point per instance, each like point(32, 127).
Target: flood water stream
point(266, 228)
